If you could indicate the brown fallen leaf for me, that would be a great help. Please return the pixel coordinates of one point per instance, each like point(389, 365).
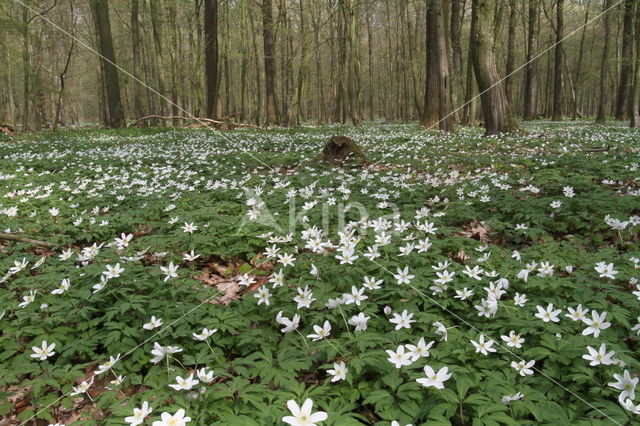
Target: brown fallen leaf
point(462, 255)
point(477, 229)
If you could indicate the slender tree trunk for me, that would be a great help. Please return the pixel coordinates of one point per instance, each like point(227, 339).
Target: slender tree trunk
point(105, 47)
point(557, 71)
point(338, 109)
point(634, 115)
point(602, 104)
point(412, 49)
point(495, 108)
point(370, 55)
point(302, 71)
point(258, 73)
point(470, 94)
point(244, 65)
point(26, 70)
point(437, 97)
point(227, 68)
point(622, 104)
point(37, 84)
point(138, 94)
point(211, 57)
point(531, 79)
point(455, 27)
point(158, 57)
point(352, 61)
point(7, 106)
point(320, 99)
point(511, 50)
point(579, 71)
point(269, 64)
point(57, 119)
point(174, 54)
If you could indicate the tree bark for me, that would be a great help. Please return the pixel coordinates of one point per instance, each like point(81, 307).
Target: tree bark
point(26, 70)
point(211, 57)
point(269, 64)
point(511, 51)
point(352, 56)
point(470, 104)
point(579, 71)
point(158, 58)
point(7, 106)
point(495, 107)
point(370, 56)
point(138, 93)
point(531, 79)
point(455, 29)
point(100, 11)
point(634, 115)
point(258, 74)
point(57, 119)
point(302, 71)
point(557, 70)
point(602, 104)
point(622, 101)
point(437, 95)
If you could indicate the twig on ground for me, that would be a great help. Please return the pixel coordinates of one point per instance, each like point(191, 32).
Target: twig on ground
point(20, 238)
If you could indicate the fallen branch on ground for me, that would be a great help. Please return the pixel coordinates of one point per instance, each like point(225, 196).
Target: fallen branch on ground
point(199, 119)
point(20, 238)
point(605, 149)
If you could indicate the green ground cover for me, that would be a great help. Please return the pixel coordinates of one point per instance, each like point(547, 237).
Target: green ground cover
point(512, 261)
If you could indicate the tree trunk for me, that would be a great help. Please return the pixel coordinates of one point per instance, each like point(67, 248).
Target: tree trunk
point(579, 71)
point(211, 56)
point(622, 104)
point(256, 56)
point(174, 51)
point(100, 11)
point(138, 109)
point(7, 106)
point(341, 59)
point(26, 70)
point(634, 115)
point(57, 119)
point(455, 29)
point(321, 104)
point(495, 108)
point(158, 57)
point(352, 56)
point(602, 104)
point(511, 50)
point(469, 118)
point(370, 55)
point(531, 79)
point(437, 95)
point(269, 64)
point(302, 71)
point(557, 71)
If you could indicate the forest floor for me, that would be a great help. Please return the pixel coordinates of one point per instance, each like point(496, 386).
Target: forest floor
point(238, 269)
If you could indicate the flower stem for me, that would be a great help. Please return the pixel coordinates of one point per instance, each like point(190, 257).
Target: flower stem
point(346, 324)
point(334, 347)
point(304, 340)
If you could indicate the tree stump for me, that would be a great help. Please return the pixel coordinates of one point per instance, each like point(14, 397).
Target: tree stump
point(7, 129)
point(340, 149)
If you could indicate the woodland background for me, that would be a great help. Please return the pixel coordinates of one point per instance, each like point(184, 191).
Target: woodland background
point(290, 62)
